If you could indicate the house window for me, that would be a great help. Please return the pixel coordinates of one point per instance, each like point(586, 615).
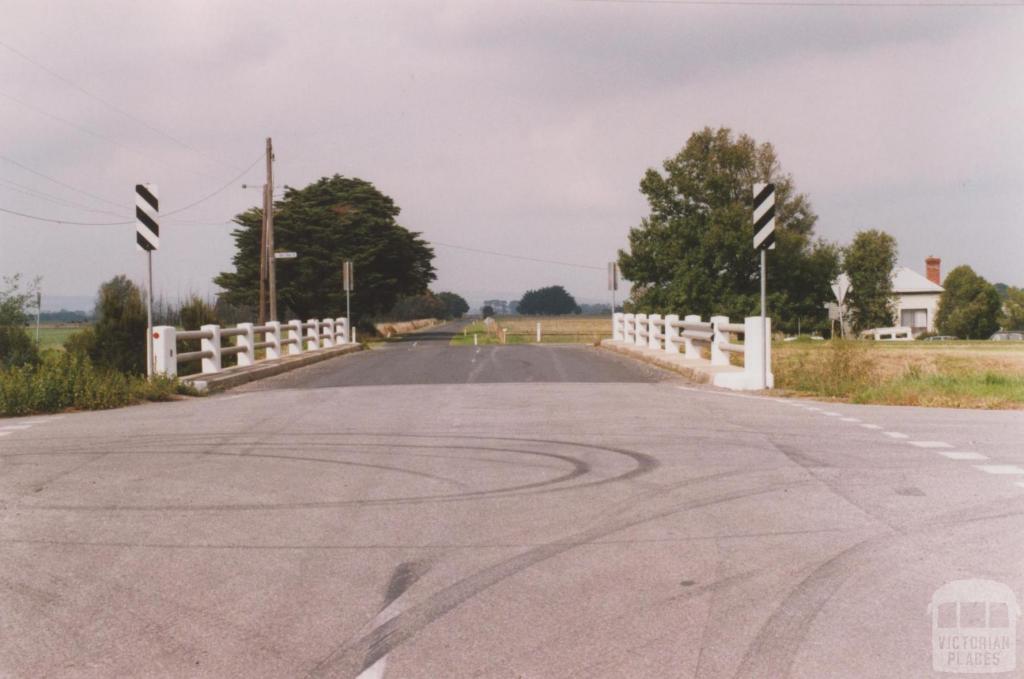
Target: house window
point(914, 318)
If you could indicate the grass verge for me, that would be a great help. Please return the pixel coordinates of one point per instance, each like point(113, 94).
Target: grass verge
point(67, 381)
point(955, 375)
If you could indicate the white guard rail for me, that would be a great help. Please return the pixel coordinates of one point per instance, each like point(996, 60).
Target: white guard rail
point(690, 335)
point(276, 339)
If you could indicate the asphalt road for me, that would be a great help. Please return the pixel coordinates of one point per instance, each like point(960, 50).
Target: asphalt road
point(429, 511)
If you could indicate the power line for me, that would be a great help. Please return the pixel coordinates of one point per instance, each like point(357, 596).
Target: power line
point(56, 200)
point(809, 3)
point(109, 105)
point(63, 221)
point(58, 182)
point(520, 257)
point(206, 198)
point(92, 133)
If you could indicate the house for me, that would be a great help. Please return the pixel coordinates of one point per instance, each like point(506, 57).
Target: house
point(916, 297)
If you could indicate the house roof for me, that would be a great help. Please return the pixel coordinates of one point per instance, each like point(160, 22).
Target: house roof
point(906, 280)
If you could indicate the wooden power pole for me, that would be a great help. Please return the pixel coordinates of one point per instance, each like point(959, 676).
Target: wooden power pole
point(271, 261)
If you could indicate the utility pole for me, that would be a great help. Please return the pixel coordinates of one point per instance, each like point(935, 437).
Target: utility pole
point(271, 261)
point(261, 315)
point(39, 310)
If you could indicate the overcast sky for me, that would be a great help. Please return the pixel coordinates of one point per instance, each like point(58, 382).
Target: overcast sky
point(515, 127)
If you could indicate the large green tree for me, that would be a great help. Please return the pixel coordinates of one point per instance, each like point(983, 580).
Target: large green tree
point(869, 261)
point(455, 305)
point(553, 300)
point(331, 220)
point(969, 307)
point(1013, 309)
point(693, 254)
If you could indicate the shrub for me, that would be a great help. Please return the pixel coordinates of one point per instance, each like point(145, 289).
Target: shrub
point(120, 330)
point(16, 347)
point(69, 380)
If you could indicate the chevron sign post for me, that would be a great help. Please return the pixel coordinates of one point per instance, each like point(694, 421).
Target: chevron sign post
point(147, 239)
point(764, 238)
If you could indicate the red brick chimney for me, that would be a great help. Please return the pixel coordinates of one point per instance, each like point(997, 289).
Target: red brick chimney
point(933, 269)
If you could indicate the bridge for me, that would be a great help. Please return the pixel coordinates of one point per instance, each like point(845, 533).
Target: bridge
point(428, 510)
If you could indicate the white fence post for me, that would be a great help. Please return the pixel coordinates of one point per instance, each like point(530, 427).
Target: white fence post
point(652, 331)
point(671, 334)
point(273, 337)
point(690, 349)
point(295, 333)
point(752, 339)
point(640, 323)
point(328, 333)
point(212, 345)
point(346, 335)
point(719, 357)
point(313, 334)
point(617, 326)
point(629, 328)
point(538, 331)
point(164, 350)
point(246, 356)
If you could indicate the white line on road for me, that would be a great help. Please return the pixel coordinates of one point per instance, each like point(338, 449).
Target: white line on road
point(5, 433)
point(15, 427)
point(1000, 468)
point(374, 671)
point(961, 456)
point(871, 426)
point(930, 444)
point(850, 419)
point(1021, 484)
point(830, 413)
point(896, 435)
point(813, 409)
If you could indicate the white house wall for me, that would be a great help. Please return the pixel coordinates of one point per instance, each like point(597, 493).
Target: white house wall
point(918, 300)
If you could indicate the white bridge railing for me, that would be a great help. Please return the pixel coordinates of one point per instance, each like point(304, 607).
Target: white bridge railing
point(275, 339)
point(690, 336)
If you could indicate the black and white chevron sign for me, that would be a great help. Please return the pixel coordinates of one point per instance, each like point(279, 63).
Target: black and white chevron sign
point(147, 231)
point(764, 216)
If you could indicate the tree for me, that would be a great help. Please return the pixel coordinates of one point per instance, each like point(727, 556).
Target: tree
point(16, 346)
point(869, 262)
point(118, 339)
point(455, 305)
point(969, 307)
point(331, 220)
point(693, 254)
point(1013, 310)
point(553, 300)
point(415, 307)
point(487, 311)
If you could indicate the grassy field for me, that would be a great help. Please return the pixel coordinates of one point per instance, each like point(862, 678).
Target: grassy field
point(962, 374)
point(53, 335)
point(554, 330)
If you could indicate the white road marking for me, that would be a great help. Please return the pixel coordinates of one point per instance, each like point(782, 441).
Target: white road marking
point(999, 468)
point(830, 413)
point(415, 343)
point(14, 427)
point(817, 410)
point(961, 456)
point(5, 433)
point(374, 671)
point(850, 419)
point(896, 435)
point(1021, 484)
point(930, 444)
point(871, 426)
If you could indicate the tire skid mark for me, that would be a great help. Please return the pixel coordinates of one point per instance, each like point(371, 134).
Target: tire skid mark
point(344, 661)
point(643, 464)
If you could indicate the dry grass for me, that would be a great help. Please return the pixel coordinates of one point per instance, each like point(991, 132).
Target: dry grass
point(954, 374)
point(554, 330)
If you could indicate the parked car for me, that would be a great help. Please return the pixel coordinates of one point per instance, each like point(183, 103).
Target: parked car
point(1005, 335)
point(939, 338)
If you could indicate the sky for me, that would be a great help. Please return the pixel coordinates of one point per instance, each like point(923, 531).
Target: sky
point(520, 128)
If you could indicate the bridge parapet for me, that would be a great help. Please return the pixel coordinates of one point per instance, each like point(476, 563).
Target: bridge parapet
point(708, 347)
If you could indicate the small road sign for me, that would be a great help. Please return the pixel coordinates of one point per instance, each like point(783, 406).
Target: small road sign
point(347, 277)
point(147, 231)
point(285, 255)
point(764, 216)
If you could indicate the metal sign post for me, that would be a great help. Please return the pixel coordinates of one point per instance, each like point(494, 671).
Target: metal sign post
point(348, 279)
point(764, 238)
point(39, 311)
point(613, 280)
point(147, 238)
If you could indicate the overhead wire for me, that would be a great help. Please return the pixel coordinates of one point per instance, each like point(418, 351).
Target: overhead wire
point(871, 4)
point(519, 257)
